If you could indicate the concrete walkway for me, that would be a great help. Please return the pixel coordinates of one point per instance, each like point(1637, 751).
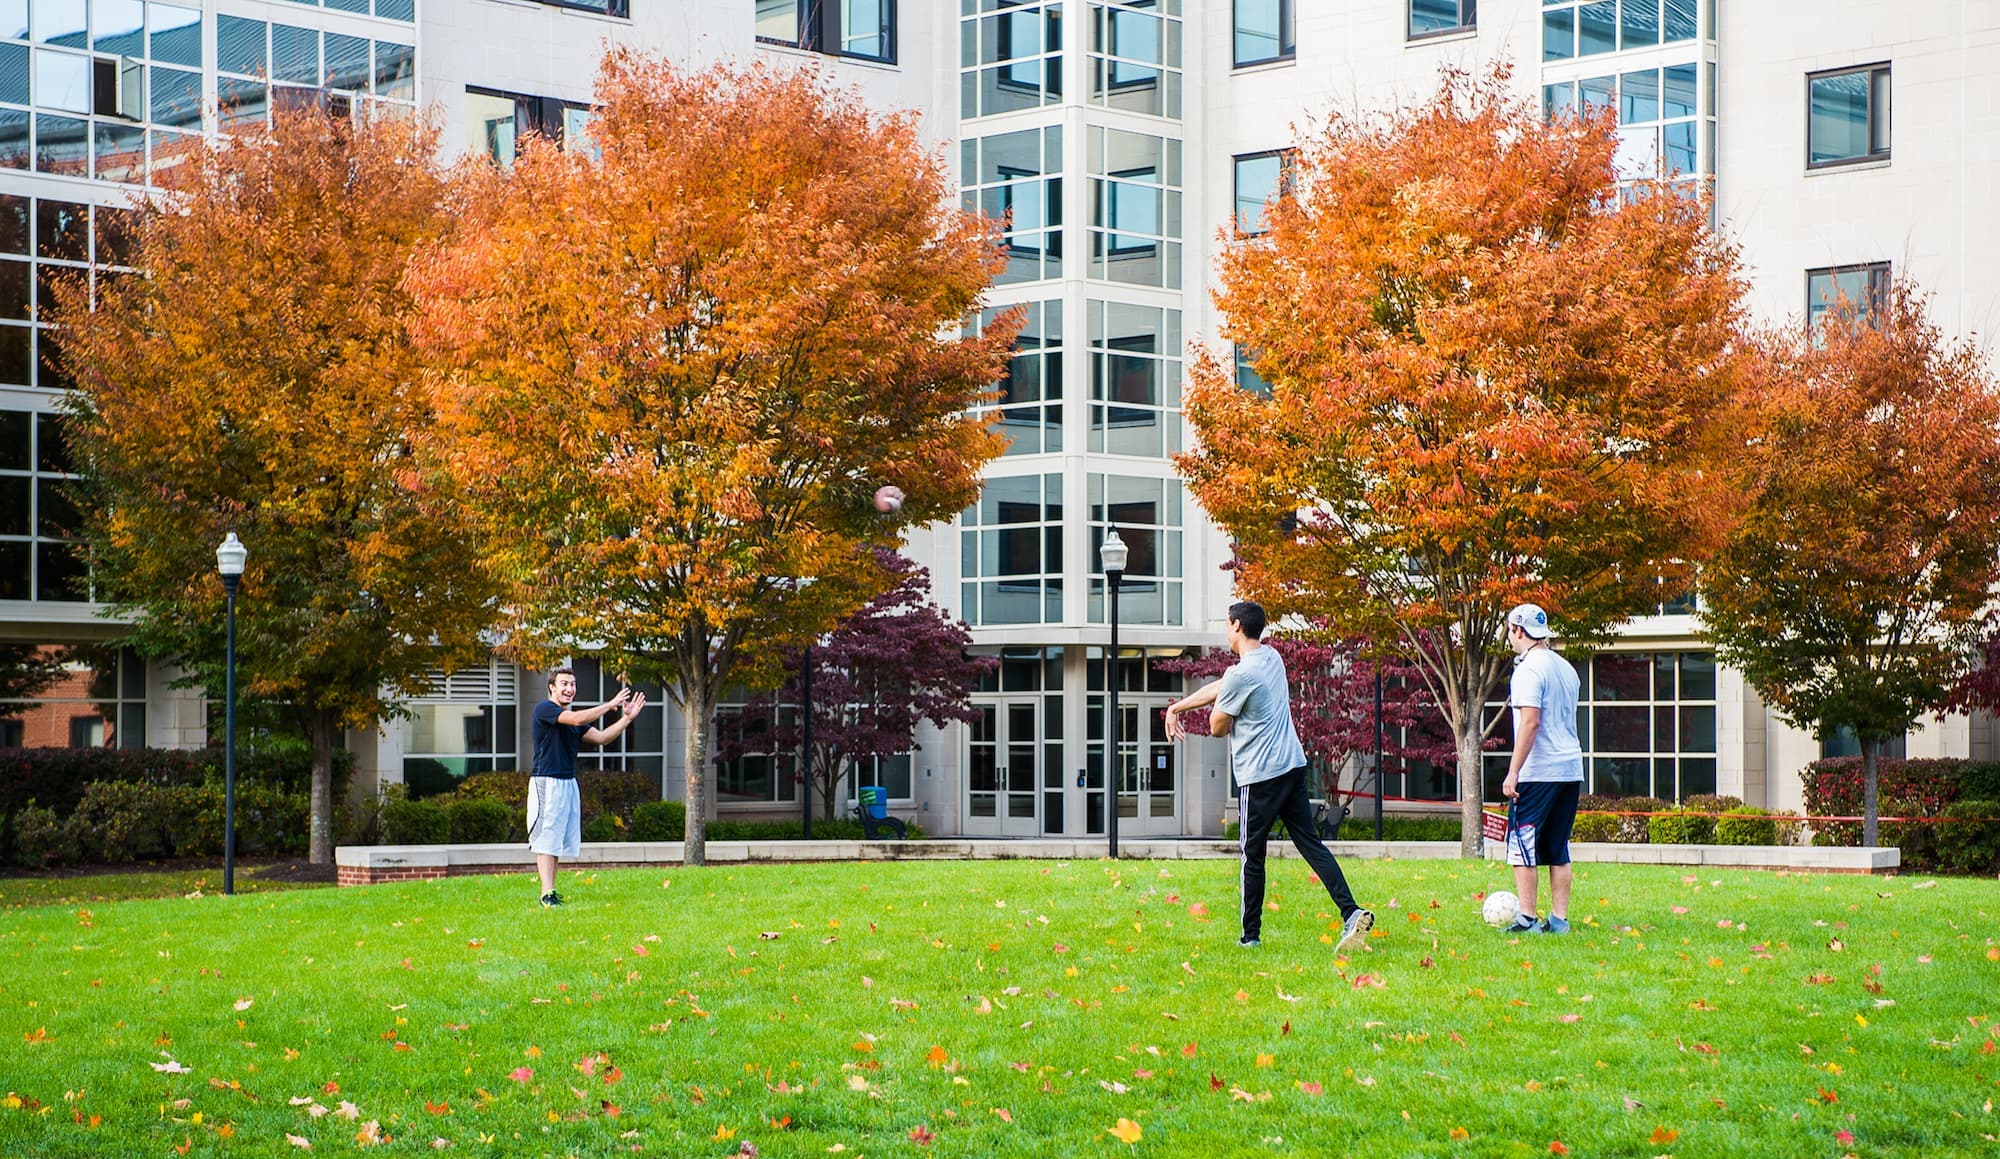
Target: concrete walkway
point(373, 864)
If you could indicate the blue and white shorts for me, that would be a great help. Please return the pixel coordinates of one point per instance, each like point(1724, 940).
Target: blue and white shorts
point(1541, 821)
point(555, 816)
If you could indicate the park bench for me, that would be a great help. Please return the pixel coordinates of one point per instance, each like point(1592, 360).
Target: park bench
point(873, 813)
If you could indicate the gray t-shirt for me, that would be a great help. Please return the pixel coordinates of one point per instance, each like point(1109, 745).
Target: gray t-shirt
point(1262, 743)
point(1544, 680)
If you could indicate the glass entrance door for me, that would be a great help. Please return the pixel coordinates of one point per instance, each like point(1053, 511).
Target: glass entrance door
point(1004, 785)
point(1148, 767)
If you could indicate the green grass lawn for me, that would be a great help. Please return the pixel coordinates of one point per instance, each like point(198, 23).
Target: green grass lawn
point(1009, 1008)
point(127, 884)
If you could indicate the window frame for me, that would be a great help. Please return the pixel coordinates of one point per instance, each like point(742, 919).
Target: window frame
point(1288, 41)
point(1468, 21)
point(820, 29)
point(1278, 189)
point(1876, 116)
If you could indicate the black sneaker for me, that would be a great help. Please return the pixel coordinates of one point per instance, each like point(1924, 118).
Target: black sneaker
point(1523, 924)
point(551, 899)
point(1249, 943)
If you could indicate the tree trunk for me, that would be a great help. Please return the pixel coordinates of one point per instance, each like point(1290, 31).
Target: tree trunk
point(700, 706)
point(323, 727)
point(1871, 755)
point(1471, 781)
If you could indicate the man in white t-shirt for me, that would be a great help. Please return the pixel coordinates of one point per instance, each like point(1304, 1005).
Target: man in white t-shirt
point(1545, 776)
point(1252, 706)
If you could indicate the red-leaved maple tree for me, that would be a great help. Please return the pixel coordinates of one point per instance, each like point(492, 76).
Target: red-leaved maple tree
point(1333, 703)
point(1494, 376)
point(674, 367)
point(898, 662)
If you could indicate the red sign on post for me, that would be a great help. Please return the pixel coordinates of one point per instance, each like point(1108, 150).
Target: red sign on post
point(1494, 825)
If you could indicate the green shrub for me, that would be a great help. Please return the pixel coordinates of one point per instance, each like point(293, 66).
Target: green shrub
point(603, 827)
point(406, 822)
point(508, 788)
point(659, 821)
point(823, 830)
point(1710, 803)
point(1681, 828)
point(1746, 826)
point(1790, 826)
point(1637, 830)
point(478, 821)
point(1595, 827)
point(1402, 829)
point(119, 821)
point(616, 794)
point(194, 819)
point(1968, 841)
point(41, 840)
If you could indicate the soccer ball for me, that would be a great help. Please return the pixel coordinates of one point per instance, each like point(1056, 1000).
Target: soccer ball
point(888, 499)
point(1501, 908)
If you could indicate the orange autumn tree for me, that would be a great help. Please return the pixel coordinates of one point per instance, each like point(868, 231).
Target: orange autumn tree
point(1857, 588)
point(675, 368)
point(1492, 378)
point(257, 377)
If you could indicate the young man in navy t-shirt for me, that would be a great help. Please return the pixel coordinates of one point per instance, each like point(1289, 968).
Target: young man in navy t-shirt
point(555, 814)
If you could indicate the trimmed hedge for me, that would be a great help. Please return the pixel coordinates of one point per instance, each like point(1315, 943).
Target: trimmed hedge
point(479, 821)
point(1907, 788)
point(407, 822)
point(1968, 841)
point(1685, 827)
point(659, 821)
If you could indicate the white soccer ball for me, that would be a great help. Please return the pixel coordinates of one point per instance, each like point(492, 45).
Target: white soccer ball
point(1501, 908)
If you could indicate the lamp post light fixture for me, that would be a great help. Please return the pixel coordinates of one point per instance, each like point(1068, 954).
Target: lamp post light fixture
point(1112, 554)
point(229, 559)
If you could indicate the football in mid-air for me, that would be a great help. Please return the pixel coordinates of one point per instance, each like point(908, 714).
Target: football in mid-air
point(1501, 908)
point(888, 498)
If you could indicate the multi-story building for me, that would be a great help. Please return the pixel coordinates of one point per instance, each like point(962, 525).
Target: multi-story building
point(1123, 137)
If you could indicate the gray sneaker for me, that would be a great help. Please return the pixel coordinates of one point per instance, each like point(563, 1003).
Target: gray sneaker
point(1354, 932)
point(1249, 943)
point(1554, 925)
point(1523, 924)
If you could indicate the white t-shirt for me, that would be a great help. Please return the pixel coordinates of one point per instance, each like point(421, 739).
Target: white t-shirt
point(1544, 680)
point(1262, 743)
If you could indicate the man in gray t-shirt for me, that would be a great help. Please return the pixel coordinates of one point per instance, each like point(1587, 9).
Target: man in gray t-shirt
point(1252, 705)
point(1545, 775)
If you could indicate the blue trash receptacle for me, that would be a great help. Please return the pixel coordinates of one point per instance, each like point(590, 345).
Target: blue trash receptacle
point(875, 800)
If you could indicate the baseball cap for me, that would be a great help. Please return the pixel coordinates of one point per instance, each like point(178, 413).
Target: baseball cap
point(1530, 619)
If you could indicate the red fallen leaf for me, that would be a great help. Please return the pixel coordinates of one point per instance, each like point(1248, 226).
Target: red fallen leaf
point(1569, 1017)
point(1663, 1135)
point(1214, 1084)
point(922, 1136)
point(1006, 1116)
point(1435, 904)
point(610, 1108)
point(1285, 1029)
point(438, 1108)
point(1427, 963)
point(1827, 1096)
point(1364, 981)
point(1311, 1088)
point(937, 1056)
point(1704, 1048)
point(186, 1142)
point(1556, 1147)
point(521, 1074)
point(332, 1088)
point(1844, 1138)
point(1188, 1050)
point(1198, 912)
point(641, 951)
point(1987, 1047)
point(781, 1124)
point(613, 1075)
point(1059, 948)
point(1458, 1038)
point(1819, 979)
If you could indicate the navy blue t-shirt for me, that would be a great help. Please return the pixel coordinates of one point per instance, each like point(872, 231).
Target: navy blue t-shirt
point(556, 743)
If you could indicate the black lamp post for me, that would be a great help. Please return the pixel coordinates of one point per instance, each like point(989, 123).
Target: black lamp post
point(806, 747)
point(229, 560)
point(1112, 554)
point(1378, 751)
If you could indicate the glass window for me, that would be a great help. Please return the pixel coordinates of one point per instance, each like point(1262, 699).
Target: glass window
point(1247, 377)
point(1639, 97)
point(489, 122)
point(346, 63)
point(1257, 179)
point(70, 695)
point(1011, 53)
point(1011, 552)
point(1135, 380)
point(240, 47)
point(1263, 31)
point(59, 22)
point(406, 10)
point(294, 54)
point(62, 80)
point(1597, 28)
point(176, 98)
point(1017, 177)
point(1647, 722)
point(868, 29)
point(1855, 289)
point(395, 70)
point(1135, 61)
point(1638, 23)
point(38, 515)
point(1559, 34)
point(118, 26)
point(1847, 116)
point(1135, 208)
point(1680, 19)
point(778, 21)
point(1432, 17)
point(640, 748)
point(1147, 513)
point(176, 34)
point(465, 723)
point(1030, 408)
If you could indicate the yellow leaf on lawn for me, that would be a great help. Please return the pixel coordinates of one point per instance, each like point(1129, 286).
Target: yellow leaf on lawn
point(1264, 1060)
point(723, 1133)
point(1460, 1134)
point(1126, 1131)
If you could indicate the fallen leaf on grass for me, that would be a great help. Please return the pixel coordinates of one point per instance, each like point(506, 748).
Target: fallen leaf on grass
point(1663, 1135)
point(1126, 1132)
point(1006, 1116)
point(299, 1141)
point(1311, 1088)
